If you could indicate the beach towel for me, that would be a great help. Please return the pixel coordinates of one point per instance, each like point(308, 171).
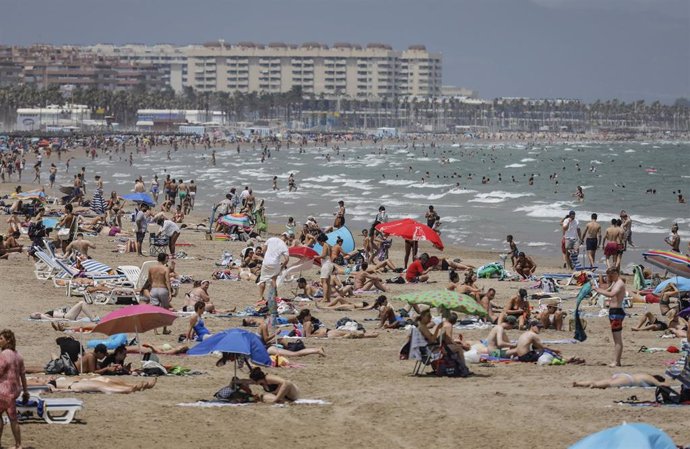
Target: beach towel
point(649, 404)
point(216, 403)
point(584, 292)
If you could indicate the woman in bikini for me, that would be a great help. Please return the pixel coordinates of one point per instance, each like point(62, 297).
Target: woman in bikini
point(99, 384)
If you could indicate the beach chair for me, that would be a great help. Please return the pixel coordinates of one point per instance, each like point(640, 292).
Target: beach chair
point(52, 411)
point(419, 350)
point(70, 273)
point(157, 244)
point(136, 278)
point(580, 266)
point(45, 267)
point(639, 282)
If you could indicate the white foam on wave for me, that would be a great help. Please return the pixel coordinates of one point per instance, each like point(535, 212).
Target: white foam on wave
point(121, 175)
point(396, 182)
point(545, 210)
point(497, 196)
point(429, 185)
point(528, 159)
point(630, 151)
point(648, 229)
point(596, 162)
point(515, 165)
point(537, 244)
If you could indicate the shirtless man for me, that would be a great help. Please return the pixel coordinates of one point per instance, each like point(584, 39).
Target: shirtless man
point(615, 292)
point(79, 245)
point(497, 343)
point(552, 317)
point(159, 275)
point(365, 280)
point(625, 223)
point(529, 346)
point(612, 244)
point(517, 306)
point(673, 240)
point(525, 266)
point(592, 239)
point(490, 308)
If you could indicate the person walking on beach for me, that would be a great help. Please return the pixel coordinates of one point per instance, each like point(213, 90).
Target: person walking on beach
point(52, 173)
point(339, 215)
point(12, 382)
point(592, 239)
point(613, 244)
point(626, 224)
point(432, 217)
point(615, 292)
point(673, 239)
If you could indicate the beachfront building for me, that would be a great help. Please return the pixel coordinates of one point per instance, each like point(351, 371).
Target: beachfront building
point(171, 119)
point(373, 71)
point(53, 117)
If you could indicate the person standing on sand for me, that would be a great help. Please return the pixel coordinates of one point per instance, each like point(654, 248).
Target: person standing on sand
point(626, 224)
point(571, 236)
point(615, 292)
point(161, 290)
point(613, 244)
point(592, 239)
point(12, 381)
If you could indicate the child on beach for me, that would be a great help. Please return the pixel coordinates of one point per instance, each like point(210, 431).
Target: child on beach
point(513, 249)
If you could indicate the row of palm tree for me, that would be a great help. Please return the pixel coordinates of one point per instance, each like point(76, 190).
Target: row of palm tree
point(412, 113)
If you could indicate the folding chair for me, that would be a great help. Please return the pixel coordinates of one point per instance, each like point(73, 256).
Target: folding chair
point(157, 244)
point(52, 411)
point(419, 350)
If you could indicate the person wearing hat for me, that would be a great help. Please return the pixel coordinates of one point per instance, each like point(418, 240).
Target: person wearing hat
point(497, 342)
point(525, 266)
point(519, 307)
point(571, 236)
point(552, 317)
point(529, 346)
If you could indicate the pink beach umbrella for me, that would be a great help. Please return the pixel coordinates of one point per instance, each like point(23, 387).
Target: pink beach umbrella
point(137, 318)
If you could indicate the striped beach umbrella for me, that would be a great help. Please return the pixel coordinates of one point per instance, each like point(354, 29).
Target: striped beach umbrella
point(98, 202)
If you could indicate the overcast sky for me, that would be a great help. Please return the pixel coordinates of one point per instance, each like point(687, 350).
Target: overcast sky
point(589, 49)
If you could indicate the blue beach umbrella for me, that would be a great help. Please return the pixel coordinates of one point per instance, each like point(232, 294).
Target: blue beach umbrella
point(627, 436)
point(235, 341)
point(682, 284)
point(139, 197)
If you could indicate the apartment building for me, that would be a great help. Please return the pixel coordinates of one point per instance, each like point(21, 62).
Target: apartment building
point(371, 71)
point(44, 66)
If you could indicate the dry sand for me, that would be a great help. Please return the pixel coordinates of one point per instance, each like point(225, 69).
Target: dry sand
point(375, 403)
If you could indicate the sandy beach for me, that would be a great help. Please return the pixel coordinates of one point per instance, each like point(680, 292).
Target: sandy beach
point(373, 402)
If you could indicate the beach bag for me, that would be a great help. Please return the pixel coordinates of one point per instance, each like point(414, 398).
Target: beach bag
point(61, 365)
point(63, 233)
point(348, 324)
point(449, 365)
point(229, 394)
point(667, 395)
point(295, 346)
point(396, 280)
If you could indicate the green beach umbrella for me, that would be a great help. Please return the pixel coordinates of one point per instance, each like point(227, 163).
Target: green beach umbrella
point(445, 299)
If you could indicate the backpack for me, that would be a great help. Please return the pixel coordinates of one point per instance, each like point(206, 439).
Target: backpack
point(449, 365)
point(667, 395)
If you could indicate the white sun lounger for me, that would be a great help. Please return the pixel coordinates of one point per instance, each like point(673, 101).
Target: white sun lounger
point(53, 410)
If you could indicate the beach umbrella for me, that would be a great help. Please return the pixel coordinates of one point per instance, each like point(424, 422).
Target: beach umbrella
point(138, 318)
point(670, 261)
point(584, 292)
point(139, 197)
point(681, 283)
point(411, 230)
point(235, 220)
point(304, 253)
point(445, 299)
point(627, 436)
point(235, 341)
point(98, 204)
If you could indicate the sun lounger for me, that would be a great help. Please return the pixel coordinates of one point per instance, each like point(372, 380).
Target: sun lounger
point(52, 411)
point(136, 278)
point(70, 273)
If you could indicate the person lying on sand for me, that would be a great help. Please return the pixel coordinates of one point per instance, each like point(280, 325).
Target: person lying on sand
point(275, 345)
point(676, 325)
point(64, 313)
point(313, 327)
point(624, 380)
point(99, 384)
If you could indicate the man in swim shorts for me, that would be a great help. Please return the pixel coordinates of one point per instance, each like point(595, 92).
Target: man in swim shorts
point(592, 239)
point(529, 346)
point(616, 293)
point(613, 241)
point(160, 282)
point(497, 342)
point(571, 236)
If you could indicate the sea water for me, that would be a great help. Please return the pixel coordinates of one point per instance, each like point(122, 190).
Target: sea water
point(614, 176)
